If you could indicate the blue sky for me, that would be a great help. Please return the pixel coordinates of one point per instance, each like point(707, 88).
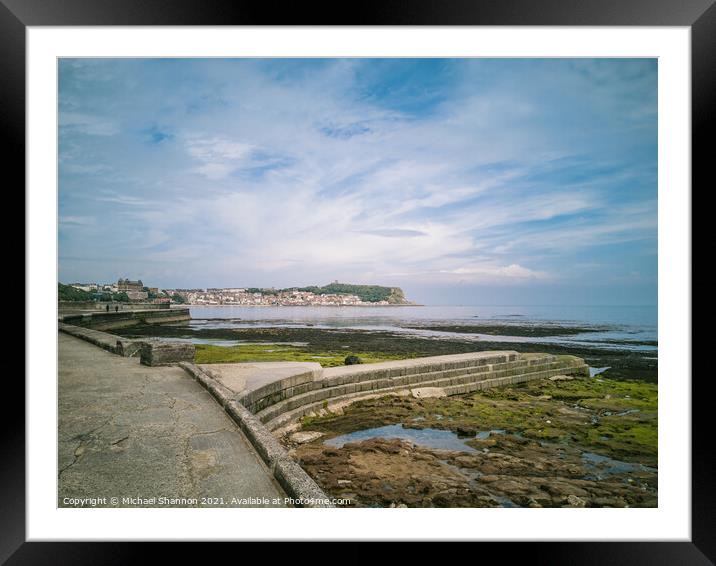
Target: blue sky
point(469, 181)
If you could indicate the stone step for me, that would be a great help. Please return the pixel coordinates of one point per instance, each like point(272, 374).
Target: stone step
point(397, 368)
point(286, 418)
point(437, 379)
point(428, 369)
point(454, 364)
point(277, 391)
point(469, 374)
point(450, 381)
point(361, 383)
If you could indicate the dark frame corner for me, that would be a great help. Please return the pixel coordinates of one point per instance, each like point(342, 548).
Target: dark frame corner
point(700, 15)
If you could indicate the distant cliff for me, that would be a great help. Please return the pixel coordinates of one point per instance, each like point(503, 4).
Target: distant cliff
point(367, 293)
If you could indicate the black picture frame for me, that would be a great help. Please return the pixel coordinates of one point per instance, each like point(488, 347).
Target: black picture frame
point(699, 15)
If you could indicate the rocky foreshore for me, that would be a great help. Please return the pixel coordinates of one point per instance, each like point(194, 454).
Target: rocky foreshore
point(586, 442)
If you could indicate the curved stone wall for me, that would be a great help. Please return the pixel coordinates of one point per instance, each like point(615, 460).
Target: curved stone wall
point(283, 402)
point(277, 406)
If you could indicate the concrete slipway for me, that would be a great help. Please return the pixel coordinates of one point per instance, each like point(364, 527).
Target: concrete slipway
point(128, 430)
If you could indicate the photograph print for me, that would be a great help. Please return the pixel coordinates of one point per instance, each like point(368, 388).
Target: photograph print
point(355, 282)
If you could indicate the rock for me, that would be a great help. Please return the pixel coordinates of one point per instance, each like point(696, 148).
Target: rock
point(489, 470)
point(513, 486)
point(541, 498)
point(575, 501)
point(425, 457)
point(558, 488)
point(561, 378)
point(480, 443)
point(609, 502)
point(302, 437)
point(425, 392)
point(464, 431)
point(465, 461)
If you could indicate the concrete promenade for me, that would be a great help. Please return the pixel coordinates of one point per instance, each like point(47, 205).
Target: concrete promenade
point(128, 430)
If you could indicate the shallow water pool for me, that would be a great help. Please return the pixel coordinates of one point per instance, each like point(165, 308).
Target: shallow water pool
point(426, 437)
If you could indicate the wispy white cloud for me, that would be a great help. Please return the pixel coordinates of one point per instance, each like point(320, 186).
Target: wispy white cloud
point(88, 124)
point(288, 172)
point(218, 156)
point(79, 221)
point(512, 271)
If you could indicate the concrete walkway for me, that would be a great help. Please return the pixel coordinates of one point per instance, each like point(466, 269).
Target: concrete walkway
point(246, 377)
point(131, 431)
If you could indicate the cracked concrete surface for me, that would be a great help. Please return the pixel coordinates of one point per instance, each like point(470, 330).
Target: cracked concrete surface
point(127, 430)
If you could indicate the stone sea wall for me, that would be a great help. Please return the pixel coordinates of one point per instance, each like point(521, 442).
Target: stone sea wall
point(283, 402)
point(110, 342)
point(263, 413)
point(152, 352)
point(109, 320)
point(100, 306)
point(292, 478)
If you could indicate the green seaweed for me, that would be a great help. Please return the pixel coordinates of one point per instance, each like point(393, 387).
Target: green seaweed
point(609, 417)
point(210, 354)
point(383, 345)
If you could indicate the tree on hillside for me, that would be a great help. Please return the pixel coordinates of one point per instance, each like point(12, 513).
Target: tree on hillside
point(70, 293)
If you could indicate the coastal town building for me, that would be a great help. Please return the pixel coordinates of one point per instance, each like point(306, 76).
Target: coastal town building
point(88, 287)
point(127, 285)
point(135, 290)
point(136, 295)
point(270, 297)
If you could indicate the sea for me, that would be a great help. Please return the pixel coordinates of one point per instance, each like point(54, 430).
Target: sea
point(608, 327)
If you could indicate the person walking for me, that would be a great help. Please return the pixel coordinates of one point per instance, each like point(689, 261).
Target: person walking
point(107, 306)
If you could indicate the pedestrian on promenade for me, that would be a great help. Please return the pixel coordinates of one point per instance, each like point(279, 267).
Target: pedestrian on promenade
point(107, 307)
point(116, 308)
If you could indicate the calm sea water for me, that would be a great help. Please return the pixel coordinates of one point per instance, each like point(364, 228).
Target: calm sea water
point(607, 326)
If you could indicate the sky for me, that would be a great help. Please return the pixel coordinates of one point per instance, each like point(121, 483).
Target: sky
point(463, 181)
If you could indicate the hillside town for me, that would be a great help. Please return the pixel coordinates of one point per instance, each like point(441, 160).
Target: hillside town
point(268, 297)
point(123, 290)
point(127, 290)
